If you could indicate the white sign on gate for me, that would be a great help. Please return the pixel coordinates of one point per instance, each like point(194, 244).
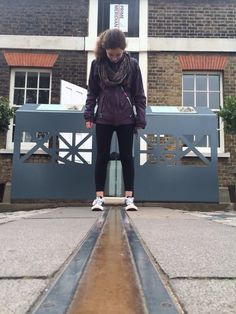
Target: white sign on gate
point(119, 16)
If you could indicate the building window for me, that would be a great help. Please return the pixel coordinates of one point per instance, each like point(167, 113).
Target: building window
point(32, 86)
point(204, 90)
point(119, 14)
point(134, 55)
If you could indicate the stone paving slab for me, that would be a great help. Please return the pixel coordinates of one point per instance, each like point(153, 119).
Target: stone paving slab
point(185, 245)
point(34, 245)
point(17, 296)
point(206, 296)
point(38, 247)
point(197, 252)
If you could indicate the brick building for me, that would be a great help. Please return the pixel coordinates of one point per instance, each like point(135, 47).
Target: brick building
point(186, 51)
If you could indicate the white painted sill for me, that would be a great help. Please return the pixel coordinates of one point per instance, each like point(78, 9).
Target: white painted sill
point(24, 151)
point(208, 154)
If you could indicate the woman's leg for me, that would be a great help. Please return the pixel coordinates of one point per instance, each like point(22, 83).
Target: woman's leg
point(125, 134)
point(103, 141)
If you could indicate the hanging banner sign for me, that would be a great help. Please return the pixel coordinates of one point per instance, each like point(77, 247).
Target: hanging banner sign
point(119, 16)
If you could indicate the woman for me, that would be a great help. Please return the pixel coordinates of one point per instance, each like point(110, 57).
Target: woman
point(115, 86)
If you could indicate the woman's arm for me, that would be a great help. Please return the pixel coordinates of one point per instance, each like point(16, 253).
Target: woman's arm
point(138, 96)
point(93, 92)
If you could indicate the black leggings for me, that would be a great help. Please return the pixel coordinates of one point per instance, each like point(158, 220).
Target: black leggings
point(125, 140)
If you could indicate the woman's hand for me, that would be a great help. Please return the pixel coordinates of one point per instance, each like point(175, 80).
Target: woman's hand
point(89, 124)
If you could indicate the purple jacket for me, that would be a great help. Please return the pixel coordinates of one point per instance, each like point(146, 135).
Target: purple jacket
point(115, 104)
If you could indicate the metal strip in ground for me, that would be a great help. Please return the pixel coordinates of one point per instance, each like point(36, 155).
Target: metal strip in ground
point(59, 296)
point(156, 295)
point(110, 283)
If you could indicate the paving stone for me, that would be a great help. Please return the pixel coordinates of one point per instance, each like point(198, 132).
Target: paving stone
point(206, 296)
point(185, 245)
point(38, 247)
point(17, 296)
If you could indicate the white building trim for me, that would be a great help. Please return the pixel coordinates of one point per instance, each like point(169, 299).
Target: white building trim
point(192, 44)
point(93, 18)
point(41, 42)
point(143, 43)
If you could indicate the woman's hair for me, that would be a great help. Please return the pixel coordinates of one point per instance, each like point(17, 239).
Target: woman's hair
point(109, 39)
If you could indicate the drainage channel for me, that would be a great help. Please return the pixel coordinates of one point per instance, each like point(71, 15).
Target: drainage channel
point(115, 275)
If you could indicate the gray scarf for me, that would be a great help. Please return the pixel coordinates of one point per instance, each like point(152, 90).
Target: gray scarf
point(111, 77)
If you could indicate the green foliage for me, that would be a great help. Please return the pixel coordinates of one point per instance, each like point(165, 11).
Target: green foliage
point(6, 114)
point(228, 114)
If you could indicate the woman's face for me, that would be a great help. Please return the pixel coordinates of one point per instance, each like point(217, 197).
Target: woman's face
point(114, 55)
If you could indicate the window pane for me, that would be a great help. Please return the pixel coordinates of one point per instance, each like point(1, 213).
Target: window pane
point(13, 133)
point(214, 82)
point(202, 142)
point(214, 100)
point(188, 99)
point(188, 82)
point(201, 99)
point(218, 132)
point(201, 82)
point(31, 96)
point(105, 16)
point(32, 79)
point(205, 92)
point(44, 81)
point(219, 142)
point(20, 79)
point(43, 97)
point(18, 97)
point(27, 137)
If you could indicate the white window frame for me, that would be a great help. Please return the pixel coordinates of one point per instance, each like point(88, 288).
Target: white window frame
point(220, 149)
point(9, 142)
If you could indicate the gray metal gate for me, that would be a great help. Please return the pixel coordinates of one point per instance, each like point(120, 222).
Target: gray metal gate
point(162, 170)
point(66, 170)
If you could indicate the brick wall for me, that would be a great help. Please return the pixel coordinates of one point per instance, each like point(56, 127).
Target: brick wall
point(165, 88)
point(45, 18)
point(70, 66)
point(5, 160)
point(5, 167)
point(229, 88)
point(230, 75)
point(226, 165)
point(164, 79)
point(192, 18)
point(4, 76)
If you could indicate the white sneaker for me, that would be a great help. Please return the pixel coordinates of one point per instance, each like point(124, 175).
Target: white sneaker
point(129, 202)
point(98, 204)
